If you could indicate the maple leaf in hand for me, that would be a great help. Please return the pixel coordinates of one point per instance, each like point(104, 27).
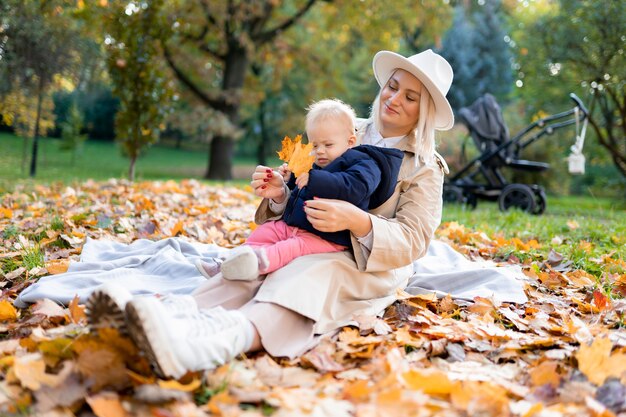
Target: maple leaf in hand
point(297, 155)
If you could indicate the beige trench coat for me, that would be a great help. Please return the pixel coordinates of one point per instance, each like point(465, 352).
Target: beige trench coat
point(331, 289)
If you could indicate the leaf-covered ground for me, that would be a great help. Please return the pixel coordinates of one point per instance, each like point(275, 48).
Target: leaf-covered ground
point(561, 354)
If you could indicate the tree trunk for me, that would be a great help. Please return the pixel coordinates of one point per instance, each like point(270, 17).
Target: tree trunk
point(131, 168)
point(220, 159)
point(262, 148)
point(33, 161)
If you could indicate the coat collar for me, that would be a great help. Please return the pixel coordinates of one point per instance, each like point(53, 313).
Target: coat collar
point(406, 144)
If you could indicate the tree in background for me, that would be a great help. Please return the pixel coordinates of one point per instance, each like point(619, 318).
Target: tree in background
point(578, 46)
point(38, 44)
point(459, 49)
point(71, 132)
point(211, 53)
point(329, 54)
point(134, 34)
point(480, 56)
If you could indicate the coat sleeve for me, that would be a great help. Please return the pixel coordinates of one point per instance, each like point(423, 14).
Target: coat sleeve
point(354, 184)
point(399, 241)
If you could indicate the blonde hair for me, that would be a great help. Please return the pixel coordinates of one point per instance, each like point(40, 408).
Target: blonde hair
point(330, 109)
point(424, 129)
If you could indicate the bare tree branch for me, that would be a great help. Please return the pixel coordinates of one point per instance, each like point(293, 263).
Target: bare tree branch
point(216, 103)
point(271, 33)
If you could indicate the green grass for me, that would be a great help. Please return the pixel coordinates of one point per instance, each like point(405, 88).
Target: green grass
point(103, 160)
point(580, 228)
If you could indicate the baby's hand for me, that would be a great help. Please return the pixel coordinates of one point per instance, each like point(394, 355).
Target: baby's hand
point(302, 180)
point(284, 171)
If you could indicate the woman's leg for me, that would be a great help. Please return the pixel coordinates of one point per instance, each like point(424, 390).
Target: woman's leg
point(278, 330)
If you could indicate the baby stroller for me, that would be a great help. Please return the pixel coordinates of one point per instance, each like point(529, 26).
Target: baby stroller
point(482, 177)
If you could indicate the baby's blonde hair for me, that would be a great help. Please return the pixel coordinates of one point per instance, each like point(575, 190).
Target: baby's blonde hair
point(322, 110)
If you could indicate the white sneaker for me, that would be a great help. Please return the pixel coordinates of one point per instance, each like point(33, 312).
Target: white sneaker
point(105, 307)
point(242, 265)
point(177, 344)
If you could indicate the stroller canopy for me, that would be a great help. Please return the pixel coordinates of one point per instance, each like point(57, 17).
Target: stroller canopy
point(485, 118)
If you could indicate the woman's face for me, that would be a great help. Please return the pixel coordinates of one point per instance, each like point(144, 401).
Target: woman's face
point(400, 103)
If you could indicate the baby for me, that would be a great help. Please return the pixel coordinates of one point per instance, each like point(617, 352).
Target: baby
point(364, 175)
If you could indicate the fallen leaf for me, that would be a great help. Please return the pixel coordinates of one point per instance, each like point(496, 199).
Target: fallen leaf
point(597, 362)
point(57, 266)
point(48, 308)
point(77, 311)
point(106, 404)
point(175, 385)
point(429, 381)
point(7, 311)
point(30, 370)
point(545, 373)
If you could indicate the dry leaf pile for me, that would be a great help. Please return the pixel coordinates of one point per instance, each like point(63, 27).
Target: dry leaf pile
point(561, 354)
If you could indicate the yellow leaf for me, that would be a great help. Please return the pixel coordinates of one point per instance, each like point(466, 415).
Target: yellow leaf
point(597, 363)
point(298, 155)
point(6, 213)
point(57, 266)
point(429, 381)
point(357, 391)
point(31, 371)
point(545, 373)
point(7, 311)
point(302, 160)
point(106, 405)
point(7, 361)
point(173, 384)
point(288, 146)
point(178, 227)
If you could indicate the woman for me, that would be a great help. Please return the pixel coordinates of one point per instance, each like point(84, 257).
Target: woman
point(315, 294)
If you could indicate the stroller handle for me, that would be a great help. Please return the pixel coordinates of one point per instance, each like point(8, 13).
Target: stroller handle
point(579, 104)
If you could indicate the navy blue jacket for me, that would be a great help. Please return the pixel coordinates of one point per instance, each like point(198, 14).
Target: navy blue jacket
point(365, 176)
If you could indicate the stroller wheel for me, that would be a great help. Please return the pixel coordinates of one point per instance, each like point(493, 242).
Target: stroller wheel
point(541, 201)
point(452, 194)
point(456, 195)
point(519, 196)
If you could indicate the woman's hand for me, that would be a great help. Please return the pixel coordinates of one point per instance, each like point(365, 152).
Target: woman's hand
point(328, 215)
point(268, 183)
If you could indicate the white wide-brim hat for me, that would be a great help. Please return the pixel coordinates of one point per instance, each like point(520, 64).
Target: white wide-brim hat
point(433, 71)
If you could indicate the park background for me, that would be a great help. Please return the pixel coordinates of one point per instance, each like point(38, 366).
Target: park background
point(207, 89)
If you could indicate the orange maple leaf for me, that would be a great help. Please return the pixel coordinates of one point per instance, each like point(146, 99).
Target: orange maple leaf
point(297, 155)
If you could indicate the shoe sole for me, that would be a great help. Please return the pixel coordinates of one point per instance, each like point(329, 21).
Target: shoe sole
point(201, 269)
point(150, 339)
point(103, 311)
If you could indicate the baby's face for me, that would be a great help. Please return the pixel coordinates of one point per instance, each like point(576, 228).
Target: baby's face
point(330, 139)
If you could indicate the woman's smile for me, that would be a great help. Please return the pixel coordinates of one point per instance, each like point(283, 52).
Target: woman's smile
point(390, 110)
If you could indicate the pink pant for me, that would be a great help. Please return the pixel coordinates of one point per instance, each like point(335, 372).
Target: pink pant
point(284, 243)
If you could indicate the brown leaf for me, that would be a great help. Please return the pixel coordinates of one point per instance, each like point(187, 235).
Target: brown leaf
point(49, 309)
point(77, 312)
